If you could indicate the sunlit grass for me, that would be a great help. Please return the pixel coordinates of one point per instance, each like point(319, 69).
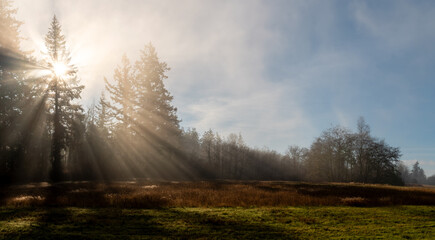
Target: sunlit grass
point(416, 222)
point(216, 210)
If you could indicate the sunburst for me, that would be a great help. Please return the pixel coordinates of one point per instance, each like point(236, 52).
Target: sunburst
point(60, 69)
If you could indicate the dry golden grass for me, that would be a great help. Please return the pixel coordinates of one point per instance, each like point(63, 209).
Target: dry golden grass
point(146, 194)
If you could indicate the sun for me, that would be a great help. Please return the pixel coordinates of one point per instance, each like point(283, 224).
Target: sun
point(60, 69)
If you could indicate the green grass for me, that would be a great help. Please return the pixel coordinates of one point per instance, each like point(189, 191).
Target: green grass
point(216, 210)
point(339, 222)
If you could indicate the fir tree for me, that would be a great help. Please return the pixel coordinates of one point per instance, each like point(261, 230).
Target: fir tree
point(156, 112)
point(417, 174)
point(63, 88)
point(103, 117)
point(12, 92)
point(9, 27)
point(122, 96)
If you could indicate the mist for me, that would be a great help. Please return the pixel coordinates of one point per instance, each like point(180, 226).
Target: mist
point(216, 119)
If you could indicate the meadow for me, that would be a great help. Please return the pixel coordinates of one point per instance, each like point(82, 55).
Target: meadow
point(216, 210)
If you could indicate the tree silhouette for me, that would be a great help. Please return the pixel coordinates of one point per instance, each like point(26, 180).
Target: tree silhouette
point(64, 88)
point(12, 94)
point(135, 132)
point(417, 174)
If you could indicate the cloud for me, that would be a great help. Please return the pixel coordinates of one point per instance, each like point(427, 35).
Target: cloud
point(223, 56)
point(397, 26)
point(279, 72)
point(217, 51)
point(256, 115)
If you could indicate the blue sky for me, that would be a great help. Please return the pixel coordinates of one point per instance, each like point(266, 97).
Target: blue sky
point(279, 72)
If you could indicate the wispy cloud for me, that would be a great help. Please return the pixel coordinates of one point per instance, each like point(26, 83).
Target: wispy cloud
point(397, 26)
point(279, 72)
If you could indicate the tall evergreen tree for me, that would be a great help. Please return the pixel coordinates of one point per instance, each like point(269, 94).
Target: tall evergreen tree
point(12, 92)
point(63, 89)
point(122, 96)
point(417, 174)
point(103, 117)
point(9, 26)
point(156, 112)
point(121, 109)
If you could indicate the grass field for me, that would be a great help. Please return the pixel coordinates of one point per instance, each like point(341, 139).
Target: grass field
point(211, 194)
point(405, 222)
point(216, 210)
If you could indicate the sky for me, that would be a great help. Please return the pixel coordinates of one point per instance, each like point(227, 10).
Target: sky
point(278, 72)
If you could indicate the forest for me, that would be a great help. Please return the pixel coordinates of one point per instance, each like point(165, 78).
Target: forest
point(133, 132)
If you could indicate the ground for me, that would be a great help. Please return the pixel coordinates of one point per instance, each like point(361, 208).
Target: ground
point(200, 210)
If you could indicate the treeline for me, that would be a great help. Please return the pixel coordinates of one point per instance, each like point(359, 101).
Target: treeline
point(338, 155)
point(133, 131)
point(415, 175)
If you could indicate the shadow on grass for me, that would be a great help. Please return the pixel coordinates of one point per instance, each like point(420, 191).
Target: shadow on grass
point(74, 195)
point(103, 223)
point(212, 226)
